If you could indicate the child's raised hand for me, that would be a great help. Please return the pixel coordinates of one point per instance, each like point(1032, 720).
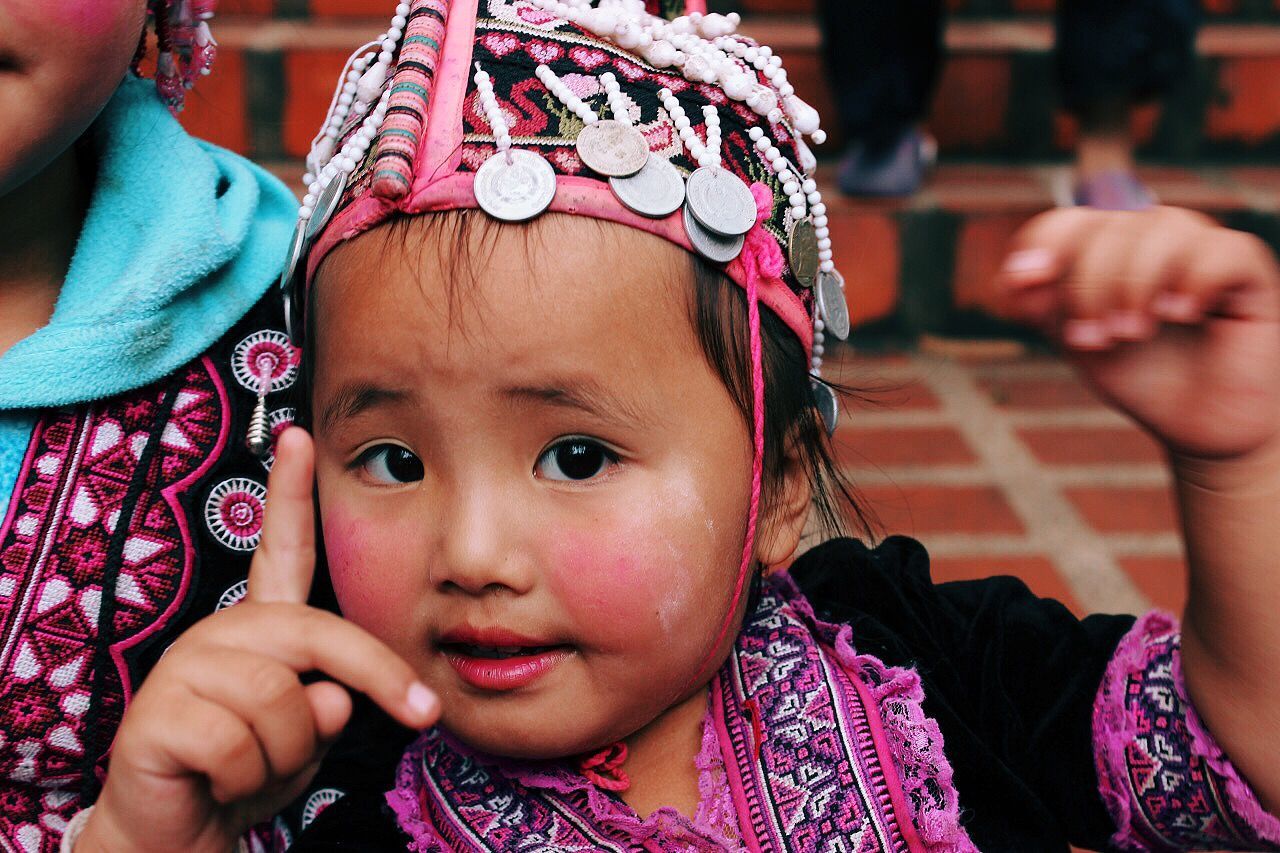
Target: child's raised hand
point(223, 732)
point(1173, 318)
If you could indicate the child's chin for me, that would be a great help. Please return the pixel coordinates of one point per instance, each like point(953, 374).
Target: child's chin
point(550, 738)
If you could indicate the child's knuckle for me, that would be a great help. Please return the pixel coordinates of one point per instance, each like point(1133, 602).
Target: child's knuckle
point(273, 684)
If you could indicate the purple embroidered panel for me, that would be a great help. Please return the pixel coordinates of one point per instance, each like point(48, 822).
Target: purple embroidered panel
point(63, 524)
point(803, 750)
point(1166, 782)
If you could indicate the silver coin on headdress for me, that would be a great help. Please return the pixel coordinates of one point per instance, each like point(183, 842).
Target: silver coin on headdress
point(613, 149)
point(288, 280)
point(515, 185)
point(802, 251)
point(712, 246)
point(327, 201)
point(721, 202)
point(832, 305)
point(828, 406)
point(657, 190)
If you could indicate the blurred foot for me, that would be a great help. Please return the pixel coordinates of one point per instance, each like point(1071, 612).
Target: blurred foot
point(1114, 190)
point(887, 170)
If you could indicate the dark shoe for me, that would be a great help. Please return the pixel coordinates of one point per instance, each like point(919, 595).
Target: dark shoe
point(895, 169)
point(1114, 191)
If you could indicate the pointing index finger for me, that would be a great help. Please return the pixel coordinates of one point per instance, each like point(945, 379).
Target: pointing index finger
point(283, 566)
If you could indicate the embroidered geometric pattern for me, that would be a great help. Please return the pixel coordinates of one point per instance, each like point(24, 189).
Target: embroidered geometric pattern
point(1166, 781)
point(796, 734)
point(80, 506)
point(813, 782)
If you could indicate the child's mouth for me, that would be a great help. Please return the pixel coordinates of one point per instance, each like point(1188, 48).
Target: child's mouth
point(501, 664)
point(496, 652)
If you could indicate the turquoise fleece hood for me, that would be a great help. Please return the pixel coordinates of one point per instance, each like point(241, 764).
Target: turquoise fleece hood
point(180, 240)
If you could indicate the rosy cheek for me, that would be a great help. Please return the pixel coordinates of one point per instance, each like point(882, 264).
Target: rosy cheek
point(360, 568)
point(623, 584)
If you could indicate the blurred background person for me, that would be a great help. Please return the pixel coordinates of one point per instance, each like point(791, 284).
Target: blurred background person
point(883, 58)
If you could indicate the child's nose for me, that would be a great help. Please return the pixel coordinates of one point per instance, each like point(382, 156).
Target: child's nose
point(481, 549)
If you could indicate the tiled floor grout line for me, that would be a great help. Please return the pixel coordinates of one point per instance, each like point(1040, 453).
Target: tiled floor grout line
point(1081, 556)
point(976, 475)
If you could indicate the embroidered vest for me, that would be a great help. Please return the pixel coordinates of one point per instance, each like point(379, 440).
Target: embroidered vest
point(132, 518)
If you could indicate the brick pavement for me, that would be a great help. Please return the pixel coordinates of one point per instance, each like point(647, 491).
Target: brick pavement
point(1012, 466)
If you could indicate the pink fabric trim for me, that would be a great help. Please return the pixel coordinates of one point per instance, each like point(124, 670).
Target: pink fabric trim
point(171, 497)
point(717, 815)
point(606, 811)
point(23, 472)
point(1114, 729)
point(737, 785)
point(1241, 799)
point(442, 150)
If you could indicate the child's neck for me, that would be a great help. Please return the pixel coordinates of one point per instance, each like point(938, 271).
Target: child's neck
point(661, 759)
point(40, 221)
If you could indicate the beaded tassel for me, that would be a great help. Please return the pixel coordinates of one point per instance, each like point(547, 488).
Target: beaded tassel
point(259, 438)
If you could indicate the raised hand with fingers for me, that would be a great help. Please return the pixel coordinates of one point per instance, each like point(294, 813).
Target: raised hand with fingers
point(224, 733)
point(1171, 317)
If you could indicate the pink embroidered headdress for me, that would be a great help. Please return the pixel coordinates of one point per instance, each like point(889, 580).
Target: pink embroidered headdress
point(658, 118)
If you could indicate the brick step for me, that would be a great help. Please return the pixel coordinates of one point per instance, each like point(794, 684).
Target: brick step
point(927, 265)
point(996, 98)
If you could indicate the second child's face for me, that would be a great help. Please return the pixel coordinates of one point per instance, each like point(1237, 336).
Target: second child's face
point(532, 485)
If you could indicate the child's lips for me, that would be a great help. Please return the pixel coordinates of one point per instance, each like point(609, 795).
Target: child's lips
point(497, 659)
point(502, 669)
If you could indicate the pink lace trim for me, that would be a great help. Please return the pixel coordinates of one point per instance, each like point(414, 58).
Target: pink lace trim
point(717, 817)
point(1115, 729)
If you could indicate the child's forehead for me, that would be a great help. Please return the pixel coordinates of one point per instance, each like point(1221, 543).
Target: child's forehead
point(561, 285)
point(462, 253)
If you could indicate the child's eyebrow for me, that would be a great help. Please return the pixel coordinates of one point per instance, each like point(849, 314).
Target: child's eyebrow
point(582, 395)
point(351, 400)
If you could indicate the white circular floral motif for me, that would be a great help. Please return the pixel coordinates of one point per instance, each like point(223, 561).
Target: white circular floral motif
point(234, 595)
point(265, 352)
point(318, 802)
point(234, 513)
point(277, 422)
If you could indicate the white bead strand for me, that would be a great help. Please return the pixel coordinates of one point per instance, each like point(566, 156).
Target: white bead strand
point(363, 84)
point(564, 95)
point(684, 128)
point(493, 112)
point(618, 104)
point(713, 150)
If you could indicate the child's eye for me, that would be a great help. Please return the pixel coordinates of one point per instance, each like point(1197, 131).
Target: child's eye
point(391, 463)
point(575, 459)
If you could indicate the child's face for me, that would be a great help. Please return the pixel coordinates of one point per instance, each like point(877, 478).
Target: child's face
point(541, 457)
point(59, 64)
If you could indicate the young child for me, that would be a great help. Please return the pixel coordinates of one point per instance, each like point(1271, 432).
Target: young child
point(559, 465)
point(134, 335)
